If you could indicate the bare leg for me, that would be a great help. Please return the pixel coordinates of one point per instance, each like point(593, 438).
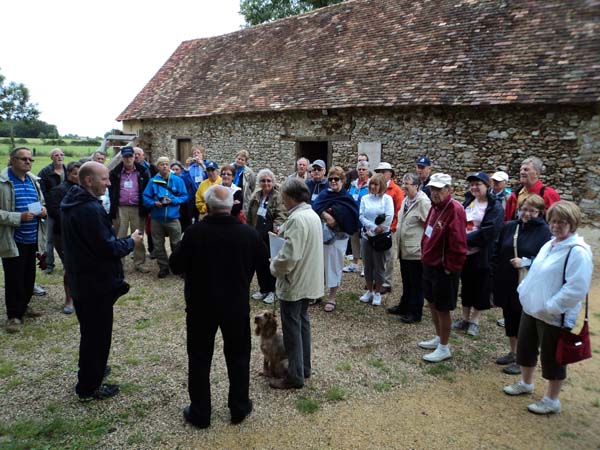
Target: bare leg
point(434, 317)
point(370, 286)
point(527, 374)
point(513, 344)
point(475, 315)
point(445, 325)
point(466, 312)
point(332, 293)
point(554, 389)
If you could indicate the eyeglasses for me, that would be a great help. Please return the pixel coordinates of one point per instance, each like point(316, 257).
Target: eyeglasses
point(26, 159)
point(333, 179)
point(265, 180)
point(229, 174)
point(561, 223)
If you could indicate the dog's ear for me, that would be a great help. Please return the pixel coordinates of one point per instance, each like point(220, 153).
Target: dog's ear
point(270, 326)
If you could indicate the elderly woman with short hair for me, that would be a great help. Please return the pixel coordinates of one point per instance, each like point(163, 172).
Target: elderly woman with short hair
point(376, 214)
point(243, 177)
point(266, 213)
point(551, 295)
point(227, 174)
point(358, 189)
point(339, 214)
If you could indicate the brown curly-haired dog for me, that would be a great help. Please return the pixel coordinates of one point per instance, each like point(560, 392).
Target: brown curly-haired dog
point(275, 362)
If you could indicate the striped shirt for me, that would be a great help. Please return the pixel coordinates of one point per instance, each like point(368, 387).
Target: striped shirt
point(25, 194)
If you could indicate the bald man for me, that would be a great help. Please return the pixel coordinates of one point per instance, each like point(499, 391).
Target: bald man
point(95, 275)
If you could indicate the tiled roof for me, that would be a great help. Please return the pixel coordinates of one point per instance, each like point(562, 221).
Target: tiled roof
point(387, 53)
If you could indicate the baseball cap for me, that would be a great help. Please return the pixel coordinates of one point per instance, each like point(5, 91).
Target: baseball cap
point(481, 176)
point(211, 165)
point(500, 176)
point(126, 151)
point(423, 161)
point(440, 180)
point(320, 163)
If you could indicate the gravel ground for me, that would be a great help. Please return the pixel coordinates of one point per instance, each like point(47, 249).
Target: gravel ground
point(370, 388)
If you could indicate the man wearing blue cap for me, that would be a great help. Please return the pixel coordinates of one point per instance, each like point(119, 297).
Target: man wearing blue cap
point(424, 173)
point(212, 170)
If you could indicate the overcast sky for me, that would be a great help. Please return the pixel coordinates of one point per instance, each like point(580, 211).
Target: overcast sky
point(84, 61)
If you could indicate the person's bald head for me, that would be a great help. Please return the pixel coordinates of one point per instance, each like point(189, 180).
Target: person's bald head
point(219, 200)
point(93, 177)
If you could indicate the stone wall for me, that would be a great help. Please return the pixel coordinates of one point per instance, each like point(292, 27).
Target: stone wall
point(459, 140)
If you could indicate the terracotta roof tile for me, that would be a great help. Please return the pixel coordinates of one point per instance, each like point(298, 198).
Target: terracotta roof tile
point(386, 52)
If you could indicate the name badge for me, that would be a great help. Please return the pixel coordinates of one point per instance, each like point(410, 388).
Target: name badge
point(355, 197)
point(128, 184)
point(428, 230)
point(313, 197)
point(262, 211)
point(198, 179)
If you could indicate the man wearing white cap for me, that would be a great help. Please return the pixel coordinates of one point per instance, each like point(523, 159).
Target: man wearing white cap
point(443, 253)
point(499, 190)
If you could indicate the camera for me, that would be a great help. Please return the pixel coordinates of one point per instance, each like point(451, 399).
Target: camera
point(164, 200)
point(379, 219)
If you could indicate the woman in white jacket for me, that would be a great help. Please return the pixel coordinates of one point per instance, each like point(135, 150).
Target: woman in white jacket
point(376, 214)
point(555, 286)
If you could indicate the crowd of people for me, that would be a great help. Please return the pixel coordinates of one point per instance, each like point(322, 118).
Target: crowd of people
point(517, 250)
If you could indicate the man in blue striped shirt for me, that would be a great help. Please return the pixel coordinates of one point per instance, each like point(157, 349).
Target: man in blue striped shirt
point(22, 234)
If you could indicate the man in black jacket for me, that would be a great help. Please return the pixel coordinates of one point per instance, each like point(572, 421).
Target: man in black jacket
point(216, 295)
point(94, 273)
point(127, 183)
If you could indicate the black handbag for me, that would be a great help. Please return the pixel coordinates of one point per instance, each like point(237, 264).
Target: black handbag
point(381, 242)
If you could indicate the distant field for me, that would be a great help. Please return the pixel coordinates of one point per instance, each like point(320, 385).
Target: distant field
point(42, 153)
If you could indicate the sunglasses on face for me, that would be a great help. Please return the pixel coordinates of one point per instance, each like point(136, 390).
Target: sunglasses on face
point(333, 179)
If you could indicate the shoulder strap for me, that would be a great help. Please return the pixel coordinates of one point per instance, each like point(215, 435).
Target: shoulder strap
point(515, 237)
point(562, 316)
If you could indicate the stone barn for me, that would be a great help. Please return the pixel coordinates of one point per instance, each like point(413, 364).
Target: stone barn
point(474, 84)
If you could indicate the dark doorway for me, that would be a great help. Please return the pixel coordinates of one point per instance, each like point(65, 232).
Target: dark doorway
point(314, 150)
point(184, 149)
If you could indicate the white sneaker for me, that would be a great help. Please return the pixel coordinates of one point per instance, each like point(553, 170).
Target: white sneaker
point(376, 299)
point(438, 355)
point(545, 406)
point(351, 268)
point(518, 389)
point(366, 297)
point(431, 344)
point(270, 298)
point(258, 296)
point(362, 273)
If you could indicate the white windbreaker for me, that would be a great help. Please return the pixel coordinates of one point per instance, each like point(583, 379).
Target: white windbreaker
point(543, 294)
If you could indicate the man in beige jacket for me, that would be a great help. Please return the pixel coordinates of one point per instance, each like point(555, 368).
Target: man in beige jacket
point(299, 270)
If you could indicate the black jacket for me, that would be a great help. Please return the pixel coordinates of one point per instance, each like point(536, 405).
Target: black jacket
point(53, 199)
point(92, 251)
point(219, 279)
point(532, 236)
point(49, 178)
point(143, 176)
point(488, 231)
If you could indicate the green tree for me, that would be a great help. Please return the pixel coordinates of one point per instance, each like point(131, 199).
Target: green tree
point(14, 102)
point(260, 11)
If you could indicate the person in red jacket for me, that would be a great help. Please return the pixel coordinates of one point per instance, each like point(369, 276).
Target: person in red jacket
point(443, 253)
point(529, 177)
point(394, 191)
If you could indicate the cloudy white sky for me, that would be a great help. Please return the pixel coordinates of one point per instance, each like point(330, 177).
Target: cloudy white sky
point(84, 61)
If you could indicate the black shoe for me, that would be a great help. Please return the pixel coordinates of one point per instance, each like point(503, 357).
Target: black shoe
point(187, 415)
point(236, 419)
point(397, 310)
point(385, 290)
point(163, 273)
point(410, 318)
point(282, 383)
point(104, 391)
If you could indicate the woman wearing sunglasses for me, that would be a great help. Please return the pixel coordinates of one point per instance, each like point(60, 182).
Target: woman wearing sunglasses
point(339, 214)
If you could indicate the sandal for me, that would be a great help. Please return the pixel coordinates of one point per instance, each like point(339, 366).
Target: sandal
point(330, 306)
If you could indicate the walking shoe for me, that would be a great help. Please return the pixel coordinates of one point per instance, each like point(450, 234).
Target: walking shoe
point(473, 329)
point(362, 273)
point(397, 310)
point(410, 318)
point(102, 392)
point(376, 299)
point(270, 298)
point(509, 358)
point(30, 312)
point(38, 290)
point(512, 369)
point(351, 268)
point(187, 415)
point(163, 273)
point(460, 324)
point(500, 323)
point(367, 297)
point(239, 418)
point(258, 295)
point(518, 388)
point(431, 344)
point(385, 289)
point(545, 406)
point(49, 270)
point(438, 355)
point(14, 325)
point(282, 383)
point(68, 310)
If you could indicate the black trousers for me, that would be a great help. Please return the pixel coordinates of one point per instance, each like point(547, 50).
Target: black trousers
point(295, 325)
point(411, 301)
point(95, 324)
point(266, 281)
point(19, 278)
point(201, 330)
